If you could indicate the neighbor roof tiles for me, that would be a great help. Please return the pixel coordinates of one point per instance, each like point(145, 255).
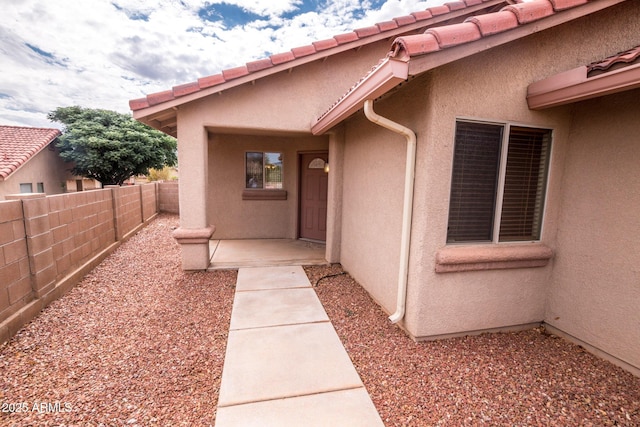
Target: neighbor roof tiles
point(300, 52)
point(19, 144)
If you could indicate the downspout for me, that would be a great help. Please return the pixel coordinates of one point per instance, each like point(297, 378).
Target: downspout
point(407, 210)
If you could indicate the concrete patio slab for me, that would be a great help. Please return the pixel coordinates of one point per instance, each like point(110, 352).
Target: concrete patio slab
point(351, 408)
point(262, 278)
point(265, 252)
point(259, 309)
point(284, 361)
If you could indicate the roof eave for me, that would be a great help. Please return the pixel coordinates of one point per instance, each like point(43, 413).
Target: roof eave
point(390, 73)
point(161, 107)
point(574, 85)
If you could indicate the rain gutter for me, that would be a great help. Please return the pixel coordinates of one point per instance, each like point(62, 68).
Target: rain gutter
point(388, 74)
point(407, 208)
point(575, 85)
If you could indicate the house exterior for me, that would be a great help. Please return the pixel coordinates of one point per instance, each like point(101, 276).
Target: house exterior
point(29, 162)
point(482, 175)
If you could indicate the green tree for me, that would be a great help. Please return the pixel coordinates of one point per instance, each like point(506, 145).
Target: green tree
point(109, 146)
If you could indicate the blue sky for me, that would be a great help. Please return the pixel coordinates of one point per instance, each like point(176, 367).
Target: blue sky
point(102, 53)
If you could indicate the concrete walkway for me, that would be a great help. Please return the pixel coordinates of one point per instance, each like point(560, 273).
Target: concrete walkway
point(284, 364)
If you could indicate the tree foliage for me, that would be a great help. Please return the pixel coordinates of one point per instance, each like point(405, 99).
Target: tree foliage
point(109, 146)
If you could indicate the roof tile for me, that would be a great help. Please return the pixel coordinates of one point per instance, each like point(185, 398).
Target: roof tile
point(530, 11)
point(325, 44)
point(493, 23)
point(205, 82)
point(439, 10)
point(280, 58)
point(138, 104)
point(301, 51)
point(387, 25)
point(185, 89)
point(18, 144)
point(234, 73)
point(346, 37)
point(451, 35)
point(473, 28)
point(566, 4)
point(405, 20)
point(455, 5)
point(259, 65)
point(422, 15)
point(416, 45)
point(160, 97)
point(367, 31)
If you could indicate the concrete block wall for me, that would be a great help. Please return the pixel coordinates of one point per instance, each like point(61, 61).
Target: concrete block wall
point(48, 243)
point(168, 197)
point(15, 274)
point(149, 201)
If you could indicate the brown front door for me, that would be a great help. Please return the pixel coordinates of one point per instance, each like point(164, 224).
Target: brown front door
point(313, 196)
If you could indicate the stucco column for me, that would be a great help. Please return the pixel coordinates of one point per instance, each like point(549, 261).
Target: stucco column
point(194, 232)
point(334, 202)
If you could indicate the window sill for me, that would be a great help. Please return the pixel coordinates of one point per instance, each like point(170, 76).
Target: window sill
point(264, 195)
point(494, 257)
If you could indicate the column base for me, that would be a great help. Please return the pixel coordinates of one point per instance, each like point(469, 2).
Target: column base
point(195, 247)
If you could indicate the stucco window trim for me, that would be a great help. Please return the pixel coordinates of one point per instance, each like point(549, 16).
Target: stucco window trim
point(492, 257)
point(264, 194)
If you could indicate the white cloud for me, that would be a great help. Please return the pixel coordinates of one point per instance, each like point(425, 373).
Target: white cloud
point(101, 53)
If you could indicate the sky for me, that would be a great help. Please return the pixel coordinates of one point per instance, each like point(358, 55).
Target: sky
point(102, 53)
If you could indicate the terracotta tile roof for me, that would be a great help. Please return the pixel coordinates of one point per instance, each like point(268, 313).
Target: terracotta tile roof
point(357, 36)
point(19, 144)
point(477, 27)
point(437, 39)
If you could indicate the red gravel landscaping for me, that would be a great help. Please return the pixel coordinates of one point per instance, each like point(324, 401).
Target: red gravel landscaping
point(140, 342)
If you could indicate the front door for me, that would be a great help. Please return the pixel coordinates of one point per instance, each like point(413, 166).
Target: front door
point(313, 196)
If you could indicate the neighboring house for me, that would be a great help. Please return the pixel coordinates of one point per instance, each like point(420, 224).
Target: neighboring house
point(29, 161)
point(520, 125)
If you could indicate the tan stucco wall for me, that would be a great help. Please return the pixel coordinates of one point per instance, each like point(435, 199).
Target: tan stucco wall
point(236, 218)
point(595, 289)
point(46, 167)
point(489, 86)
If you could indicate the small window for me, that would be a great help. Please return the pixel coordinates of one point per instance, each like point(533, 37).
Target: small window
point(40, 187)
point(263, 170)
point(498, 183)
point(26, 187)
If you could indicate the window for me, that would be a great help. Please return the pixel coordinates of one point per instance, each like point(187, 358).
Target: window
point(26, 187)
point(498, 183)
point(40, 187)
point(263, 170)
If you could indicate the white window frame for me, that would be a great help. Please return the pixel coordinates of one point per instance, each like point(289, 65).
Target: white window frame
point(504, 150)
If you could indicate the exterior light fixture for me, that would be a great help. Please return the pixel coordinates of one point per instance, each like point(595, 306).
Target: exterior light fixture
point(326, 167)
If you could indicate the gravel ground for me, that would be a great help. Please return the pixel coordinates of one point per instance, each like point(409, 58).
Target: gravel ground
point(527, 378)
point(140, 342)
point(137, 342)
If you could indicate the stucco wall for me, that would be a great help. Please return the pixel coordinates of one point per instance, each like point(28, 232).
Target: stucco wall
point(45, 167)
point(595, 290)
point(488, 86)
point(236, 218)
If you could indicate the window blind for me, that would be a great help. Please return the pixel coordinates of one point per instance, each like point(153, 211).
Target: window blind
point(474, 182)
point(524, 184)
